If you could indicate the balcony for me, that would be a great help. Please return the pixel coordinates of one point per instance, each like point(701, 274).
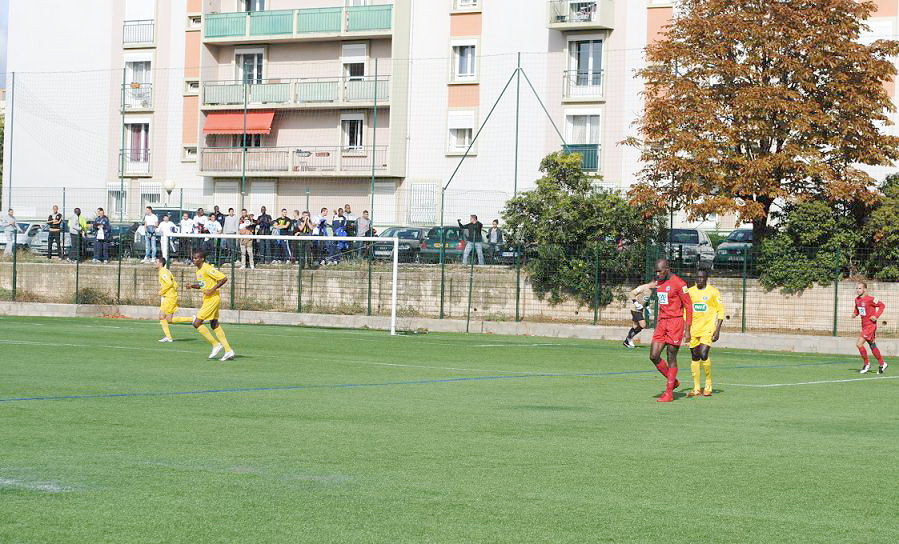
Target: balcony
point(138, 33)
point(582, 86)
point(582, 15)
point(295, 161)
point(136, 162)
point(299, 24)
point(589, 155)
point(298, 93)
point(137, 97)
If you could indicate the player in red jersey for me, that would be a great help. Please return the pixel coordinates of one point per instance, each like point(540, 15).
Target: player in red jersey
point(674, 303)
point(869, 309)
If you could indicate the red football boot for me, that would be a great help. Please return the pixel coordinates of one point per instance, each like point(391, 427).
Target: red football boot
point(667, 396)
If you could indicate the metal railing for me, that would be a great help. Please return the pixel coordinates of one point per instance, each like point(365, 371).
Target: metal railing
point(589, 155)
point(138, 31)
point(297, 91)
point(299, 160)
point(134, 161)
point(138, 96)
point(582, 84)
point(298, 23)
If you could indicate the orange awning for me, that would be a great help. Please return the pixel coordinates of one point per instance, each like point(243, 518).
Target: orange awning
point(258, 122)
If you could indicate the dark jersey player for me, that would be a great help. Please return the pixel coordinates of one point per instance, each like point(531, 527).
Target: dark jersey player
point(869, 309)
point(672, 326)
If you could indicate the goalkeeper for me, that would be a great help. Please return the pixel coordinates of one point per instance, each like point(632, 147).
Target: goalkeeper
point(639, 301)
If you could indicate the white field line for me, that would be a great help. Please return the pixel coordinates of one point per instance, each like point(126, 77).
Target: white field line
point(129, 348)
point(46, 487)
point(819, 382)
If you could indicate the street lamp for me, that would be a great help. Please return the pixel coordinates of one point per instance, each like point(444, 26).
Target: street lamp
point(169, 186)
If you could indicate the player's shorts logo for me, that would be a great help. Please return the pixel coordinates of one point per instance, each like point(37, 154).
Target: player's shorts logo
point(700, 307)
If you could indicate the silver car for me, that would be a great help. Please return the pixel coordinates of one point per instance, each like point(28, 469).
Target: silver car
point(37, 242)
point(690, 247)
point(25, 231)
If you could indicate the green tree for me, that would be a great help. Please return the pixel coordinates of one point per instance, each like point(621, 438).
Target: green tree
point(752, 102)
point(565, 223)
point(882, 230)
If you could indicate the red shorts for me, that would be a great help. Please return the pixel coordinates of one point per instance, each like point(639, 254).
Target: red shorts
point(869, 331)
point(669, 331)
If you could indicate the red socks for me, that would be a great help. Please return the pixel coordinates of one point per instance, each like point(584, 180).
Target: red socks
point(672, 378)
point(864, 353)
point(876, 352)
point(662, 368)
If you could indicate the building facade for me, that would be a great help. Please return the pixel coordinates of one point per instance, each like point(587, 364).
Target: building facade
point(305, 104)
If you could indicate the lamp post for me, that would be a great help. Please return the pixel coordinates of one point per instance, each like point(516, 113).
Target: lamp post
point(169, 186)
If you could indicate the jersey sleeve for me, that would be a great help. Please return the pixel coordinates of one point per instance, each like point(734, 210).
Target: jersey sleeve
point(719, 305)
point(879, 307)
point(166, 283)
point(687, 302)
point(215, 274)
point(855, 310)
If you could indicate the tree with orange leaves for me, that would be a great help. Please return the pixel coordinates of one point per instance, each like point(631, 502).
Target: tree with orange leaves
point(749, 102)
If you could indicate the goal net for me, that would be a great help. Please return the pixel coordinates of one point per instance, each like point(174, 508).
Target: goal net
point(341, 275)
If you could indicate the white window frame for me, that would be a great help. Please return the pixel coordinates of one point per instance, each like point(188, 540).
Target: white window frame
point(344, 139)
point(569, 125)
point(244, 5)
point(238, 66)
point(189, 153)
point(460, 119)
point(466, 5)
point(456, 46)
point(191, 91)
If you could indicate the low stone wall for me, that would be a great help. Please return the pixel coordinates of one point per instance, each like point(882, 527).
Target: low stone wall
point(344, 291)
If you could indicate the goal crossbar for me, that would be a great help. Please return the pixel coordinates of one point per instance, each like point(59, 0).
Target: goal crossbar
point(164, 239)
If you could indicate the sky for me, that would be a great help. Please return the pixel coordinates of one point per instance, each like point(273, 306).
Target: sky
point(4, 21)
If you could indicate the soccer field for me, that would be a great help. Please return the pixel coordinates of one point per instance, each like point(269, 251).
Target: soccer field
point(355, 436)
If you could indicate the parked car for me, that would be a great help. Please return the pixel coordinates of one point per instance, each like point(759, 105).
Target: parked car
point(125, 232)
point(25, 231)
point(452, 237)
point(409, 246)
point(733, 249)
point(37, 243)
point(689, 247)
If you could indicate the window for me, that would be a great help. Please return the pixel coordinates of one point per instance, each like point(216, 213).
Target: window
point(461, 130)
point(253, 140)
point(192, 87)
point(460, 139)
point(189, 154)
point(352, 134)
point(583, 129)
point(464, 62)
point(357, 3)
point(586, 62)
point(467, 4)
point(138, 90)
point(253, 5)
point(194, 22)
point(138, 140)
point(354, 71)
point(249, 67)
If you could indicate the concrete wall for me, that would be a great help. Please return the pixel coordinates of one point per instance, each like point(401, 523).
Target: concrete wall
point(345, 292)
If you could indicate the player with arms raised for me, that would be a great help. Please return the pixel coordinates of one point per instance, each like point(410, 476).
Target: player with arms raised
point(210, 280)
point(869, 309)
point(708, 316)
point(168, 305)
point(672, 328)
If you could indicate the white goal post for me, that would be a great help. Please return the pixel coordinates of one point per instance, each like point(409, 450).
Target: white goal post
point(164, 247)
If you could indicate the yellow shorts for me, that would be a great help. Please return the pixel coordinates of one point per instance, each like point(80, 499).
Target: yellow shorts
point(700, 339)
point(210, 309)
point(169, 305)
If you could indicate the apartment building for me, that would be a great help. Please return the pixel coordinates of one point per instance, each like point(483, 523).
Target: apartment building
point(311, 103)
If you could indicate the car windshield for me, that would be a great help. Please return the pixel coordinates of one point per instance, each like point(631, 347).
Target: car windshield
point(452, 233)
point(684, 236)
point(740, 236)
point(401, 233)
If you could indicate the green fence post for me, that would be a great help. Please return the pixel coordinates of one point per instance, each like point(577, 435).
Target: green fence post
point(371, 256)
point(470, 288)
point(836, 291)
point(596, 285)
point(300, 261)
point(78, 273)
point(118, 292)
point(518, 284)
point(232, 279)
point(745, 271)
point(442, 267)
point(15, 253)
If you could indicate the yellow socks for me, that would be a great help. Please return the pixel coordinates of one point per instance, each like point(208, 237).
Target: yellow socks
point(707, 367)
point(204, 332)
point(165, 328)
point(182, 320)
point(220, 334)
point(694, 369)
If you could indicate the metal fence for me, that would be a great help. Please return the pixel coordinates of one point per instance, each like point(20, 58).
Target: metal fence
point(581, 285)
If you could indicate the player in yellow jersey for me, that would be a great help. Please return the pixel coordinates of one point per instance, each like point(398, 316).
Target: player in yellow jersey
point(708, 315)
point(168, 291)
point(210, 280)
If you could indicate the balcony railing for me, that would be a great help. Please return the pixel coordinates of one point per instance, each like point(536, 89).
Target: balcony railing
point(138, 32)
point(299, 23)
point(288, 92)
point(583, 84)
point(589, 155)
point(134, 161)
point(138, 96)
point(581, 14)
point(299, 160)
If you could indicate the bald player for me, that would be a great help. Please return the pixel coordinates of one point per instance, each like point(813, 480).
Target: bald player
point(672, 326)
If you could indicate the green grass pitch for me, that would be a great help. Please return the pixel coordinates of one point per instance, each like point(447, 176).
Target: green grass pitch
point(351, 436)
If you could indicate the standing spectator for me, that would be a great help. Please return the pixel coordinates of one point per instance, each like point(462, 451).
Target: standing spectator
point(186, 244)
point(213, 245)
point(280, 228)
point(304, 251)
point(247, 226)
point(474, 238)
point(264, 228)
point(166, 228)
point(218, 216)
point(339, 225)
point(363, 228)
point(77, 232)
point(320, 228)
point(292, 231)
point(54, 225)
point(104, 234)
point(231, 226)
point(151, 222)
point(200, 220)
point(11, 227)
point(351, 220)
point(494, 240)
